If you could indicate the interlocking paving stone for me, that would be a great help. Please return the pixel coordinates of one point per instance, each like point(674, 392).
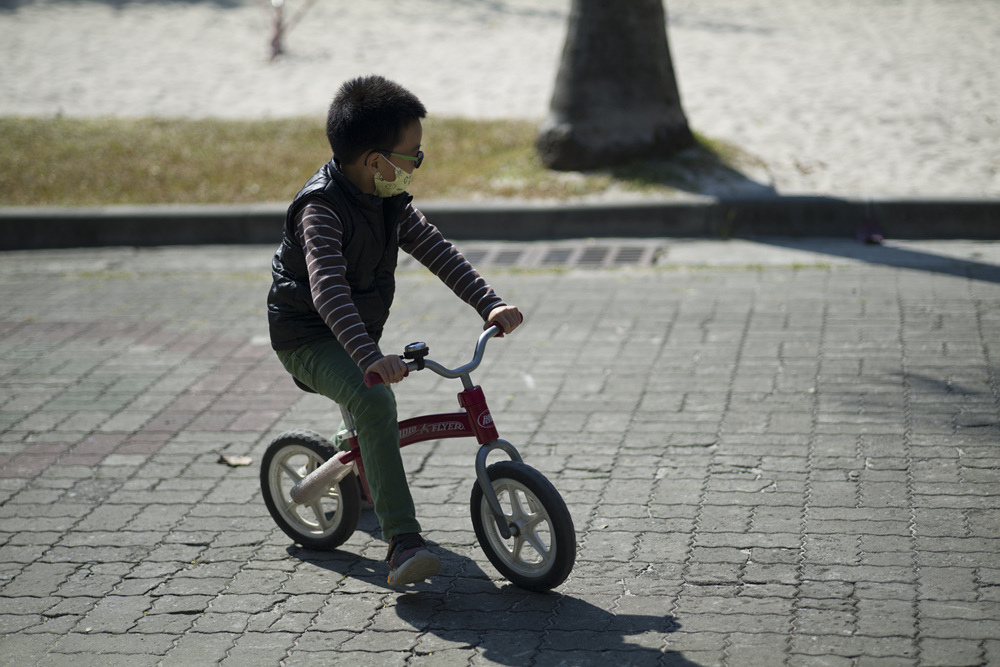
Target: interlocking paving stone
point(765, 465)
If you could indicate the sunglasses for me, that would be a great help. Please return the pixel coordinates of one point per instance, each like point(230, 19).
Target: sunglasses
point(418, 160)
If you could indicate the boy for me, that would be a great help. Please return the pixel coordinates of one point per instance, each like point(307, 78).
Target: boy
point(333, 284)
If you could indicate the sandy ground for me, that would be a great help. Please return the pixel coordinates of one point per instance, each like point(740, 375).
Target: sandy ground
point(838, 97)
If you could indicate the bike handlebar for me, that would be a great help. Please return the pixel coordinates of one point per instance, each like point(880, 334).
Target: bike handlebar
point(494, 330)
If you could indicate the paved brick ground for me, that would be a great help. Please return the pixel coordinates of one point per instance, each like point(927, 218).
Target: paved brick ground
point(787, 457)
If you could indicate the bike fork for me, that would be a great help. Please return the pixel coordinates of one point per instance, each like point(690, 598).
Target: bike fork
point(486, 484)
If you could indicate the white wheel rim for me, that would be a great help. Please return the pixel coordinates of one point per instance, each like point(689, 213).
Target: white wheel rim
point(533, 550)
point(317, 519)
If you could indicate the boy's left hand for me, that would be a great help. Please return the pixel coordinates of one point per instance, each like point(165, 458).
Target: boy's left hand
point(508, 317)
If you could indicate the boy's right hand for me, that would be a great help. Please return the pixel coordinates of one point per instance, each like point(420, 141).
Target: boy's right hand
point(391, 368)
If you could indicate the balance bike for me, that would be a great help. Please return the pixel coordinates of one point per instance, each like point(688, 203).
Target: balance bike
point(314, 491)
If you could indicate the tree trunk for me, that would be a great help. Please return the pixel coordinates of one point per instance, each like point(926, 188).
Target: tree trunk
point(615, 97)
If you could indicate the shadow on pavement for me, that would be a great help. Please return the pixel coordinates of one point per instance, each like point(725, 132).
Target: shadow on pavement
point(509, 625)
point(893, 256)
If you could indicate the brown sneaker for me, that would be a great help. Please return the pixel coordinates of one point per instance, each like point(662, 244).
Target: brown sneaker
point(409, 560)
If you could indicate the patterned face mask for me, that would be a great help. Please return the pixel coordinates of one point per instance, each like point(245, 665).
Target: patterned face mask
point(384, 188)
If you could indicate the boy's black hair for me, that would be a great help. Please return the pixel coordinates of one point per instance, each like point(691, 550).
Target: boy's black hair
point(369, 113)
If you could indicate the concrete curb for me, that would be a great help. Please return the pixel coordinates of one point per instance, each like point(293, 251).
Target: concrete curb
point(29, 228)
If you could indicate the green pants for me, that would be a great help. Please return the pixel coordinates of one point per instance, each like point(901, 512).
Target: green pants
point(326, 367)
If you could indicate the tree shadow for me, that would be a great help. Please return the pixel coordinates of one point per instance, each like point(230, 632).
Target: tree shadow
point(889, 255)
point(968, 410)
point(748, 206)
point(710, 168)
point(966, 405)
point(745, 204)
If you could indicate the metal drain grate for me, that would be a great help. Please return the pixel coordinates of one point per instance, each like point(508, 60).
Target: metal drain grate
point(577, 254)
point(503, 258)
point(633, 255)
point(557, 257)
point(594, 256)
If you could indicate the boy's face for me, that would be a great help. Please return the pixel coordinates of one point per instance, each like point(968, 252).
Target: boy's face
point(409, 145)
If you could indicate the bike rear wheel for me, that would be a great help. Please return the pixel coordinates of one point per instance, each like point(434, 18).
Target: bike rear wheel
point(541, 552)
point(331, 519)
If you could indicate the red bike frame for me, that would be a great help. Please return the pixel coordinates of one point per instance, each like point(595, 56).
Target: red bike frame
point(475, 422)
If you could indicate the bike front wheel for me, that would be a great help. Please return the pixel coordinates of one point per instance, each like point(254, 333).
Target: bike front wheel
point(328, 521)
point(541, 551)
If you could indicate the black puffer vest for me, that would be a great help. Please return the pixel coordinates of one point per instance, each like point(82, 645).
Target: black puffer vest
point(370, 245)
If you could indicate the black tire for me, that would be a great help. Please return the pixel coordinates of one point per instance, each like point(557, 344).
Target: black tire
point(326, 523)
point(542, 555)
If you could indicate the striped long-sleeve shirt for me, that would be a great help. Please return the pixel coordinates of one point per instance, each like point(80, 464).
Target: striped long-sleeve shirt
point(320, 232)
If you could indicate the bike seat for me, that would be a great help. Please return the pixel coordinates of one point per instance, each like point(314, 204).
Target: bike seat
point(304, 387)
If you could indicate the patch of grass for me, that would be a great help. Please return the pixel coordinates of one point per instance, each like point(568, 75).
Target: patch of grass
point(64, 162)
point(472, 159)
point(97, 162)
